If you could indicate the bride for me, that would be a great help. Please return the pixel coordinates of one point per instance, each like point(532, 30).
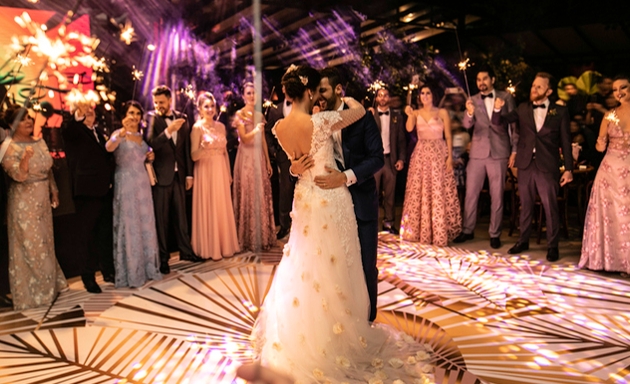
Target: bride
point(312, 325)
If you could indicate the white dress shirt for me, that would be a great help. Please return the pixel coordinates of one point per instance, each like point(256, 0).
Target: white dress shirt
point(385, 119)
point(351, 178)
point(540, 114)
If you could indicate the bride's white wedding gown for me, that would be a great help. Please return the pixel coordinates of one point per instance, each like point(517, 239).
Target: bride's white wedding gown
point(313, 323)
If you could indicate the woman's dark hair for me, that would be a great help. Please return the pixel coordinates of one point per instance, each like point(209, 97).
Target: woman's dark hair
point(129, 104)
point(12, 112)
point(298, 79)
point(434, 94)
point(622, 76)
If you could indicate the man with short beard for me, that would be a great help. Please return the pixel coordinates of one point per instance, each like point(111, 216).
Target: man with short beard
point(359, 155)
point(543, 130)
point(489, 152)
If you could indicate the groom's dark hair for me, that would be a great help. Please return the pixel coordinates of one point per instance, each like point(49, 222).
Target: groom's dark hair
point(333, 75)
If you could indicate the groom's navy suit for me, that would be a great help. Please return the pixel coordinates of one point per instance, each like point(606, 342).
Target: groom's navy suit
point(363, 153)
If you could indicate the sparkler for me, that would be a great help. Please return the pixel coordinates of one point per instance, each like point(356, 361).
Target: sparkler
point(222, 109)
point(463, 64)
point(512, 87)
point(137, 76)
point(127, 33)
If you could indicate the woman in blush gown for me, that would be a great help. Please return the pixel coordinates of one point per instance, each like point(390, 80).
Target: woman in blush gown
point(431, 213)
point(313, 323)
point(213, 226)
point(253, 203)
point(35, 277)
point(136, 258)
point(606, 239)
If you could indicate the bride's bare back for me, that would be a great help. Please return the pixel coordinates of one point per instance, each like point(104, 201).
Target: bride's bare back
point(294, 134)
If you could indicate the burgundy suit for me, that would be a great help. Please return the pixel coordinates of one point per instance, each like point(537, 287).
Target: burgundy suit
point(538, 161)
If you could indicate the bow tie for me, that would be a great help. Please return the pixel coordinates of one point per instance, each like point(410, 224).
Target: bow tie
point(490, 95)
point(383, 113)
point(538, 106)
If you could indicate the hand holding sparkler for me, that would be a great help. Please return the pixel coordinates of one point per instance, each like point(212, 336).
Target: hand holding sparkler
point(470, 107)
point(498, 103)
point(175, 125)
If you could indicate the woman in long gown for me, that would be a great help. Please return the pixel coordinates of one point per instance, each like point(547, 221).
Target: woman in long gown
point(136, 257)
point(431, 213)
point(313, 324)
point(35, 277)
point(253, 203)
point(606, 245)
point(213, 226)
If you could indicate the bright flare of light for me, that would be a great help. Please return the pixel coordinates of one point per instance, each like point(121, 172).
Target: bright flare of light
point(127, 33)
point(75, 97)
point(375, 86)
point(23, 60)
point(612, 117)
point(462, 65)
point(268, 104)
point(136, 74)
point(151, 47)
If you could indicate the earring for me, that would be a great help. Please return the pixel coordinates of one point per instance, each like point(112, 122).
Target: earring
point(310, 97)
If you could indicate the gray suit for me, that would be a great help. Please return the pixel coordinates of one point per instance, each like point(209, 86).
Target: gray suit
point(386, 176)
point(489, 152)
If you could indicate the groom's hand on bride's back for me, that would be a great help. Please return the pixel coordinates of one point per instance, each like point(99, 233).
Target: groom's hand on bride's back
point(301, 165)
point(333, 179)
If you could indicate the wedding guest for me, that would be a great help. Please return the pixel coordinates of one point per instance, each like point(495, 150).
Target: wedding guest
point(5, 301)
point(605, 245)
point(286, 183)
point(35, 276)
point(253, 203)
point(213, 225)
point(136, 258)
point(543, 131)
point(391, 125)
point(431, 213)
point(169, 136)
point(91, 169)
point(490, 150)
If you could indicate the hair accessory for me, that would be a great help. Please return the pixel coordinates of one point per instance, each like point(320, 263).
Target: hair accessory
point(304, 80)
point(292, 68)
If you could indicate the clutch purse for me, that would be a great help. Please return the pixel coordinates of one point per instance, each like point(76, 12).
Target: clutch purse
point(151, 173)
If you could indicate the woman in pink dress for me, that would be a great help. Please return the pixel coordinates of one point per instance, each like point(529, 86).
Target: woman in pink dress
point(213, 226)
point(253, 204)
point(606, 241)
point(431, 213)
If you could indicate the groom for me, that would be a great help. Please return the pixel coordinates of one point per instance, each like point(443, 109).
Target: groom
point(359, 155)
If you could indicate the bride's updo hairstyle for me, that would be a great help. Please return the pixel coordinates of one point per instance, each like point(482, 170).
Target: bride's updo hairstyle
point(298, 79)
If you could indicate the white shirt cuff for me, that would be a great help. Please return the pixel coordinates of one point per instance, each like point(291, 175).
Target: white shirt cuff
point(468, 114)
point(189, 177)
point(168, 134)
point(497, 110)
point(351, 178)
point(293, 174)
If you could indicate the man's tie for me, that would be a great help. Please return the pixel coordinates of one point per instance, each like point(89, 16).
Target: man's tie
point(490, 95)
point(538, 106)
point(383, 113)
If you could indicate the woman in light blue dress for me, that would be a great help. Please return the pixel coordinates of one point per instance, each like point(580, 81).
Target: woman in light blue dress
point(136, 257)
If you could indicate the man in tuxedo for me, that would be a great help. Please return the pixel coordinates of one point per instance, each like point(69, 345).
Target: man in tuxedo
point(169, 136)
point(543, 129)
point(359, 154)
point(91, 172)
point(489, 152)
point(285, 181)
point(391, 124)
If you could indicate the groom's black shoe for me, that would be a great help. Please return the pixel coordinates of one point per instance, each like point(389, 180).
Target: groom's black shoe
point(5, 302)
point(495, 242)
point(553, 254)
point(109, 277)
point(463, 237)
point(192, 257)
point(165, 269)
point(518, 248)
point(282, 233)
point(90, 284)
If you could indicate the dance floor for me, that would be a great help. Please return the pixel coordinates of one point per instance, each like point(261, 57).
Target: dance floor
point(490, 318)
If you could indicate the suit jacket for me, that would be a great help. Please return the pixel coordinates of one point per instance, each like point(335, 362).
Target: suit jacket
point(363, 153)
point(275, 151)
point(167, 153)
point(397, 138)
point(91, 166)
point(554, 134)
point(489, 139)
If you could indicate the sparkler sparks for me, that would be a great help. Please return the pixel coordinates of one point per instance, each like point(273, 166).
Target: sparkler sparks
point(23, 60)
point(76, 97)
point(136, 74)
point(462, 65)
point(612, 117)
point(375, 86)
point(127, 33)
point(268, 104)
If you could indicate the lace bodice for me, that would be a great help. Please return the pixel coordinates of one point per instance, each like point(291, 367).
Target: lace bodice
point(617, 138)
point(429, 130)
point(130, 155)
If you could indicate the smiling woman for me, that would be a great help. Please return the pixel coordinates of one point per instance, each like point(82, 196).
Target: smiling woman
point(34, 273)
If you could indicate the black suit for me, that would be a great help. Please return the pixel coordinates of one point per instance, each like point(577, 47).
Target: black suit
point(363, 153)
point(539, 172)
point(283, 163)
point(386, 177)
point(169, 192)
point(91, 173)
